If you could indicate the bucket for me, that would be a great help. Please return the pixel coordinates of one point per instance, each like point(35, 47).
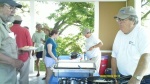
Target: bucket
point(103, 65)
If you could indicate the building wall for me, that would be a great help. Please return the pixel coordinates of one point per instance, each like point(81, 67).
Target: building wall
point(108, 26)
point(130, 3)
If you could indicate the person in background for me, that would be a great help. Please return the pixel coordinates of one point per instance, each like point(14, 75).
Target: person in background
point(9, 62)
point(37, 39)
point(92, 46)
point(51, 54)
point(131, 47)
point(23, 39)
point(46, 31)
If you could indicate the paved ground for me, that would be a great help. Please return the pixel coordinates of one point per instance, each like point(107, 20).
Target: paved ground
point(36, 80)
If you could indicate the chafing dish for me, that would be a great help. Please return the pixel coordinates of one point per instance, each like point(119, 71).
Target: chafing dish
point(74, 69)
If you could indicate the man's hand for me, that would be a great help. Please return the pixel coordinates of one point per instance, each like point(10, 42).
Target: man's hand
point(56, 59)
point(22, 52)
point(33, 53)
point(91, 48)
point(17, 64)
point(42, 40)
point(133, 80)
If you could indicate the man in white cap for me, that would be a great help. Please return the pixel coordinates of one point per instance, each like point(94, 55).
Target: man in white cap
point(131, 48)
point(92, 46)
point(23, 39)
point(8, 49)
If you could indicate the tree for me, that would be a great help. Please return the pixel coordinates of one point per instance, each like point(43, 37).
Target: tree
point(145, 7)
point(73, 13)
point(69, 44)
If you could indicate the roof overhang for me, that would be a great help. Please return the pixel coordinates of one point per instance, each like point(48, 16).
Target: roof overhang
point(88, 0)
point(77, 0)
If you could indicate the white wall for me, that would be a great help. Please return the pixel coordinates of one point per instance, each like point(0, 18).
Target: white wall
point(138, 9)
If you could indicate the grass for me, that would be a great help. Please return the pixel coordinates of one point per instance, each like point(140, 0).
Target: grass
point(42, 66)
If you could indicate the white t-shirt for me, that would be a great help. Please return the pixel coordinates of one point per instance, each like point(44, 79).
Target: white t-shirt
point(91, 41)
point(128, 48)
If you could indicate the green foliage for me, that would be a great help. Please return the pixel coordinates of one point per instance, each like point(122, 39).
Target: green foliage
point(68, 14)
point(69, 44)
point(79, 14)
point(145, 8)
point(145, 11)
point(42, 66)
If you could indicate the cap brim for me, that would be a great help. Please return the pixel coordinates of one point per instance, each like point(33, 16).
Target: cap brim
point(122, 16)
point(16, 5)
point(19, 6)
point(13, 3)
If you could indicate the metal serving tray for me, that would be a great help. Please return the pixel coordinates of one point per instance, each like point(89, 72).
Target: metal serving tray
point(76, 69)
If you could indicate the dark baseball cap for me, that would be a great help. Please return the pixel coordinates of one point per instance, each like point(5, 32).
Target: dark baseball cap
point(11, 3)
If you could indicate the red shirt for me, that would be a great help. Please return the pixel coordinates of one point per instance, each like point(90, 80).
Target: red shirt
point(23, 38)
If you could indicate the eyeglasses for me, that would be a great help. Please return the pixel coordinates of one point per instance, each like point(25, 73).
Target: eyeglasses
point(120, 20)
point(10, 7)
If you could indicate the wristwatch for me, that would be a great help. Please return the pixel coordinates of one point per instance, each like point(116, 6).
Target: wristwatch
point(138, 77)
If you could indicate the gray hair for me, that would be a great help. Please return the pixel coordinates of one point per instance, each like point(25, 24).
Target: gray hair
point(38, 24)
point(133, 18)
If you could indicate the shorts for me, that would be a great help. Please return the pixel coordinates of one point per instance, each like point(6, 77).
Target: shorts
point(39, 54)
point(49, 62)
